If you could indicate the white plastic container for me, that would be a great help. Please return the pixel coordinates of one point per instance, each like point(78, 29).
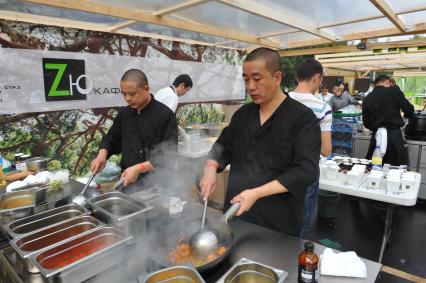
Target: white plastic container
point(393, 185)
point(359, 168)
point(353, 178)
point(331, 172)
point(323, 168)
point(408, 181)
point(374, 180)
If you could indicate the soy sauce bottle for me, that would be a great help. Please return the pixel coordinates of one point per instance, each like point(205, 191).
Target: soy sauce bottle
point(308, 265)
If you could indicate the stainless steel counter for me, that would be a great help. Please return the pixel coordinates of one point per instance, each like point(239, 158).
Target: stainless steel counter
point(251, 241)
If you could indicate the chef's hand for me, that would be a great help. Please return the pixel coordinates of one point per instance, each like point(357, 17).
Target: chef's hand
point(208, 181)
point(246, 198)
point(131, 174)
point(98, 164)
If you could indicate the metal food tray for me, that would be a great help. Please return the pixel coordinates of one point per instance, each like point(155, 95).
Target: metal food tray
point(40, 191)
point(121, 210)
point(178, 273)
point(246, 270)
point(88, 266)
point(39, 221)
point(16, 212)
point(90, 223)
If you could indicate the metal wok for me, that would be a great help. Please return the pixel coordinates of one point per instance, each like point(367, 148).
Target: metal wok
point(166, 237)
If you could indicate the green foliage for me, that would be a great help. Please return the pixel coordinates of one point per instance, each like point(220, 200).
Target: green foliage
point(54, 165)
point(116, 158)
point(199, 114)
point(414, 85)
point(54, 186)
point(289, 70)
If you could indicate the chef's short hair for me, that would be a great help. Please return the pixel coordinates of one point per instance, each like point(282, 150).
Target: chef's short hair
point(380, 79)
point(270, 56)
point(135, 75)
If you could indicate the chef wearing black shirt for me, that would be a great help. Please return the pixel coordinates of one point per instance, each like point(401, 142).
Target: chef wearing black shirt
point(143, 132)
point(382, 109)
point(272, 145)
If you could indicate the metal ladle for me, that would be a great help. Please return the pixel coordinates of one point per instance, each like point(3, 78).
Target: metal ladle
point(81, 199)
point(204, 242)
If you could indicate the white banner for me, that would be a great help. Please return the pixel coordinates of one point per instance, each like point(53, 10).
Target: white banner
point(38, 81)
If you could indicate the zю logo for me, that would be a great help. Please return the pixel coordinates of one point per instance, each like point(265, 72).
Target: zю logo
point(65, 79)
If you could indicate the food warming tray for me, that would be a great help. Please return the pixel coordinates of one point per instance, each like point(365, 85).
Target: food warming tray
point(82, 257)
point(122, 211)
point(39, 221)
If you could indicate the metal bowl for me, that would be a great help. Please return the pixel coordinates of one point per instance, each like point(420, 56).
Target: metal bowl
point(37, 164)
point(15, 205)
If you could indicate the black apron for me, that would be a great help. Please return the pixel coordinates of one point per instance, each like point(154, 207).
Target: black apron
point(395, 152)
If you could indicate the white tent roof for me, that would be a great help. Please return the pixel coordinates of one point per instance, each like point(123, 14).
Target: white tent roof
point(231, 23)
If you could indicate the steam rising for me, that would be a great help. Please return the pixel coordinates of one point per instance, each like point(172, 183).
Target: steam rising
point(168, 189)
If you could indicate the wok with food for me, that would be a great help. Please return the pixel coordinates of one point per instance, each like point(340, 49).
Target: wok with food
point(170, 244)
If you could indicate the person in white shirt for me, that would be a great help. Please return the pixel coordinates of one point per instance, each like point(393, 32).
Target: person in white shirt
point(324, 95)
point(309, 77)
point(170, 95)
point(370, 89)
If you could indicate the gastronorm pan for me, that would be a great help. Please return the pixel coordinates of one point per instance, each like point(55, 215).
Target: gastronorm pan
point(122, 211)
point(43, 220)
point(178, 274)
point(246, 270)
point(34, 242)
point(84, 256)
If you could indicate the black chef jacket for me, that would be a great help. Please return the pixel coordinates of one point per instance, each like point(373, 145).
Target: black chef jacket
point(285, 148)
point(148, 135)
point(381, 109)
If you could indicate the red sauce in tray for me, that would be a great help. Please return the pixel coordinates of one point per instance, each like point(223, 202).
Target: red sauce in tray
point(55, 238)
point(63, 255)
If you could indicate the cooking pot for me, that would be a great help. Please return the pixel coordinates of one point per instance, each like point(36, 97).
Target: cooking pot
point(416, 127)
point(167, 237)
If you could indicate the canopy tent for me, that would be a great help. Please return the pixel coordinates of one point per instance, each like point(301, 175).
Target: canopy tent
point(390, 59)
point(241, 24)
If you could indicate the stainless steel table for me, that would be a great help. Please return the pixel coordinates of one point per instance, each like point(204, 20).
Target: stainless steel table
point(250, 241)
point(276, 250)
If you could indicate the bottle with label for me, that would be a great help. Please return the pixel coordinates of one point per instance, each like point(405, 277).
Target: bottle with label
point(2, 176)
point(308, 265)
point(376, 159)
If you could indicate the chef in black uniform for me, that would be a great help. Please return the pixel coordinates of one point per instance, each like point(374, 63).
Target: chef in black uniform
point(382, 109)
point(144, 132)
point(272, 145)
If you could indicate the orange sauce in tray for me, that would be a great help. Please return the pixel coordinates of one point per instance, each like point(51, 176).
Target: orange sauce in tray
point(55, 237)
point(71, 252)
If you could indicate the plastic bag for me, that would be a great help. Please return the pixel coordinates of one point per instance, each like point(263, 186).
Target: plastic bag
point(110, 173)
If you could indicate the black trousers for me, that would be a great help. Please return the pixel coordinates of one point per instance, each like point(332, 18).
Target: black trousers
point(395, 152)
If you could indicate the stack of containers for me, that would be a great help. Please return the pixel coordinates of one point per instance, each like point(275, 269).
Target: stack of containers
point(374, 179)
point(408, 181)
point(393, 181)
point(354, 176)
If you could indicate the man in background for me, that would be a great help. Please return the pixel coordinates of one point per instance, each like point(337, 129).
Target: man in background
point(170, 94)
point(309, 76)
point(382, 109)
point(324, 95)
point(339, 100)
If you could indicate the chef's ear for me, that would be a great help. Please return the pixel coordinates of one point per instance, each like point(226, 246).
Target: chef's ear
point(278, 76)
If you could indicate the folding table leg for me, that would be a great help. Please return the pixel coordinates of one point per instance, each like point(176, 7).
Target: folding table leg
point(387, 230)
